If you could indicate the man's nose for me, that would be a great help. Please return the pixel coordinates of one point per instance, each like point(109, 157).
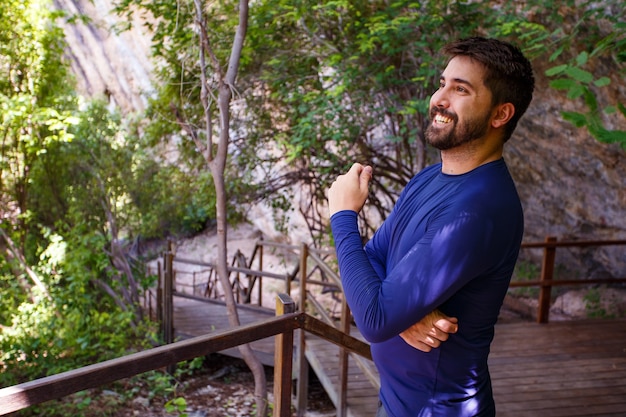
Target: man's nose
point(440, 98)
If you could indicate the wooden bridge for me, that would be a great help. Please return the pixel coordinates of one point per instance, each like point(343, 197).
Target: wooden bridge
point(570, 368)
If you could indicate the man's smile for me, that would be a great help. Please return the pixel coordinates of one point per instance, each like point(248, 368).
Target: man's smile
point(441, 119)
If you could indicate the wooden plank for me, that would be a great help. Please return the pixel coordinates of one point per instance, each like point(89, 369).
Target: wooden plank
point(193, 318)
point(560, 369)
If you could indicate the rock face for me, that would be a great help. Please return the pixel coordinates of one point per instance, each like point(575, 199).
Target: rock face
point(572, 187)
point(110, 66)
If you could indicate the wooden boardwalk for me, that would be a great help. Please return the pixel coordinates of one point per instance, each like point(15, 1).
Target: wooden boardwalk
point(559, 369)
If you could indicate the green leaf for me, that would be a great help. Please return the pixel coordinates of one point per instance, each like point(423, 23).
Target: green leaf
point(590, 99)
point(575, 91)
point(563, 84)
point(612, 136)
point(550, 72)
point(577, 119)
point(602, 82)
point(579, 74)
point(556, 54)
point(582, 58)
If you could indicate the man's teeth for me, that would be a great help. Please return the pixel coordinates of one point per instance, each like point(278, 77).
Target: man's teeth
point(442, 119)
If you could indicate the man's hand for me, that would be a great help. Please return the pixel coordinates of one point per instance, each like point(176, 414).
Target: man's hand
point(350, 190)
point(429, 332)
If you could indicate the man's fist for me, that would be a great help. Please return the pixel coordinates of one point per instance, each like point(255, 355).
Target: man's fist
point(350, 190)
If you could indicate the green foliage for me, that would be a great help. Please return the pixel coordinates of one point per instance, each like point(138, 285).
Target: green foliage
point(73, 328)
point(525, 271)
point(74, 183)
point(176, 405)
point(172, 201)
point(78, 197)
point(36, 100)
point(350, 82)
point(594, 305)
point(329, 83)
point(576, 38)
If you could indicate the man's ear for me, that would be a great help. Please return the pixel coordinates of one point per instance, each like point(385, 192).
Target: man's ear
point(502, 114)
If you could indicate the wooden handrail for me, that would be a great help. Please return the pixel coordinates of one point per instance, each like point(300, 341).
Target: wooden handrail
point(545, 281)
point(572, 243)
point(283, 360)
point(21, 396)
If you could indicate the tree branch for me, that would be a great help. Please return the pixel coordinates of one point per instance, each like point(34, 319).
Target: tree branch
point(15, 253)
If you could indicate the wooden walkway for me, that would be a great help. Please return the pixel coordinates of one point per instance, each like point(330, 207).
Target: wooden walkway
point(559, 369)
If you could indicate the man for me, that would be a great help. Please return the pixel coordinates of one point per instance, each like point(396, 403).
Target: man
point(448, 248)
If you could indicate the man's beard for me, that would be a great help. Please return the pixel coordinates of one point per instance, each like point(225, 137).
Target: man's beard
point(460, 134)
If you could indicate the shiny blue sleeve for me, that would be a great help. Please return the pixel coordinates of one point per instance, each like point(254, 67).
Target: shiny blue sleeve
point(450, 254)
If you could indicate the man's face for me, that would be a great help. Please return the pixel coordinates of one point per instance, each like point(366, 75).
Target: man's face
point(460, 110)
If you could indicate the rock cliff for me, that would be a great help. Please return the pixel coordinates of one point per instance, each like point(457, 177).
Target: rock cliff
point(107, 65)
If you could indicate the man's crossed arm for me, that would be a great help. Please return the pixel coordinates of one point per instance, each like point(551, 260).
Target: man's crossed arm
point(349, 192)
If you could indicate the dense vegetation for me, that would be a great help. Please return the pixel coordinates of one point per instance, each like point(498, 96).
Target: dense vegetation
point(322, 83)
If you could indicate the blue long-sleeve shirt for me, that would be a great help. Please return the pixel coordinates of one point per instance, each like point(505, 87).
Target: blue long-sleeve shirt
point(450, 243)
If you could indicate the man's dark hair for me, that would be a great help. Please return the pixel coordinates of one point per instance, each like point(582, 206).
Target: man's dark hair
point(509, 74)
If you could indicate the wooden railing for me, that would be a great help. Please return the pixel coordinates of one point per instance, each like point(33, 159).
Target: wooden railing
point(245, 280)
point(546, 280)
point(21, 396)
point(243, 270)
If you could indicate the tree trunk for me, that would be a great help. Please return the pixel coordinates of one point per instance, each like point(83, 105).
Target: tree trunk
point(217, 165)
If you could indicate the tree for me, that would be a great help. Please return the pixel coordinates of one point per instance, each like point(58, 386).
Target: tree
point(216, 161)
point(216, 83)
point(36, 105)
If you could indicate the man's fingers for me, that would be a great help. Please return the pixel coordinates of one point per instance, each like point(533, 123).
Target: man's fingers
point(447, 325)
point(350, 190)
point(417, 344)
point(431, 331)
point(365, 177)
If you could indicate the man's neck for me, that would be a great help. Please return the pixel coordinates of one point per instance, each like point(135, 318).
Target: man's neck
point(467, 157)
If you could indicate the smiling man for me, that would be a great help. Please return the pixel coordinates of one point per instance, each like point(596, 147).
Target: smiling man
point(440, 264)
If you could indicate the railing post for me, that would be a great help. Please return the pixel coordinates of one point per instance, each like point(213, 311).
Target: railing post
point(168, 301)
point(342, 409)
point(303, 366)
point(547, 274)
point(159, 298)
point(283, 360)
point(168, 319)
point(260, 286)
